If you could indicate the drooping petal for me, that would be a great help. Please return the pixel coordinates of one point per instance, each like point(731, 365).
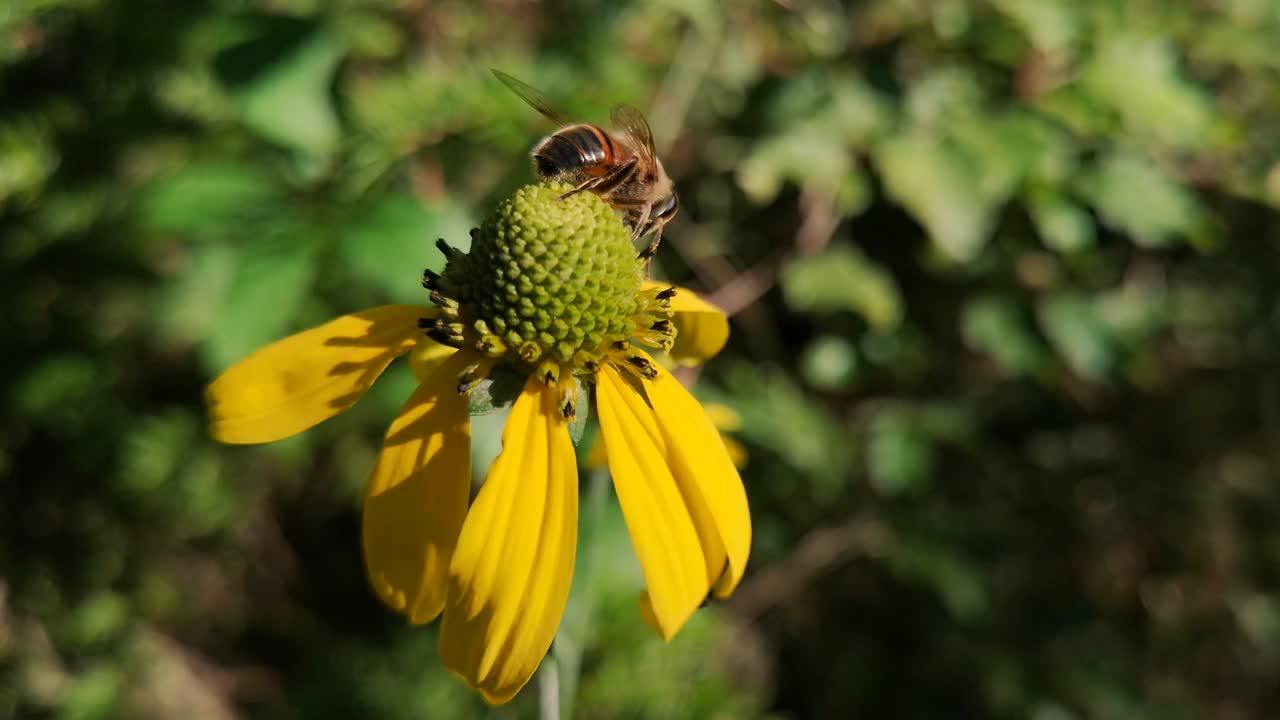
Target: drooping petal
point(510, 575)
point(701, 328)
point(664, 534)
point(416, 497)
point(727, 420)
point(295, 383)
point(707, 477)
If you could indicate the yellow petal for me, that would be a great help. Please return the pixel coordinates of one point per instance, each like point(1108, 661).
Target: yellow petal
point(662, 531)
point(725, 418)
point(295, 383)
point(427, 354)
point(708, 480)
point(416, 497)
point(510, 575)
point(596, 457)
point(737, 452)
point(701, 328)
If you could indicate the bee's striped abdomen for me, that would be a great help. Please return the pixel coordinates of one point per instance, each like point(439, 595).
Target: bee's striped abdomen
point(577, 149)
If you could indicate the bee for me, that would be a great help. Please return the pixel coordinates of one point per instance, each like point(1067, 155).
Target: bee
point(621, 166)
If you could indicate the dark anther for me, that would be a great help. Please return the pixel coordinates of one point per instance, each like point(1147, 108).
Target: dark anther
point(620, 345)
point(444, 337)
point(661, 326)
point(436, 297)
point(449, 252)
point(426, 323)
point(591, 366)
point(430, 279)
point(639, 362)
point(667, 294)
point(567, 411)
point(548, 377)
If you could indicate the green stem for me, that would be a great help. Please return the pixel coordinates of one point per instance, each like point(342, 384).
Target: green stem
point(549, 690)
point(574, 629)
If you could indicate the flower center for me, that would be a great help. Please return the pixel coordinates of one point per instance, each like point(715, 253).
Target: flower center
point(551, 283)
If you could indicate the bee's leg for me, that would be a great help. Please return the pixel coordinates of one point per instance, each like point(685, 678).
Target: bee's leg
point(652, 248)
point(642, 224)
point(608, 181)
point(587, 185)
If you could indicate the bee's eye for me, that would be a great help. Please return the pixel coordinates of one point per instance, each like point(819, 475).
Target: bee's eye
point(666, 208)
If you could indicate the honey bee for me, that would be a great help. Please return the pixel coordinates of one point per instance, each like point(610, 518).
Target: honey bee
point(621, 167)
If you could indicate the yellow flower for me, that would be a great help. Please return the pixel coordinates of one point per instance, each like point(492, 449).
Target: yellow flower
point(724, 418)
point(550, 292)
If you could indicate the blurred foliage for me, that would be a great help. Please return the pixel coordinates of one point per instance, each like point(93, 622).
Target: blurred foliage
point(1012, 410)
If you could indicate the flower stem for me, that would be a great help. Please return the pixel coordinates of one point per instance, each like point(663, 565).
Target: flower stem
point(566, 655)
point(549, 690)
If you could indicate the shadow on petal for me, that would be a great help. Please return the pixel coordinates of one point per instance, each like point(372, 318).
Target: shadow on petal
point(416, 497)
point(306, 378)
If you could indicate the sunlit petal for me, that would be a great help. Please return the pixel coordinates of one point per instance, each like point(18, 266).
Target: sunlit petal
point(707, 478)
point(701, 328)
point(416, 497)
point(297, 382)
point(510, 575)
point(662, 531)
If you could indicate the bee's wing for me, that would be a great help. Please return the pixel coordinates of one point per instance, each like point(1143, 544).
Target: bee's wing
point(631, 121)
point(530, 95)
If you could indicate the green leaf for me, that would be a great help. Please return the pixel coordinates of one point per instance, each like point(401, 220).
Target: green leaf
point(1052, 25)
point(1138, 77)
point(942, 186)
point(281, 80)
point(268, 286)
point(1073, 326)
point(957, 579)
point(843, 279)
point(1136, 197)
point(1133, 311)
point(96, 693)
point(496, 392)
point(578, 423)
point(55, 389)
point(188, 307)
point(817, 117)
point(995, 326)
point(211, 200)
point(154, 449)
point(1065, 226)
point(777, 415)
point(98, 620)
point(27, 159)
point(900, 455)
point(391, 242)
point(804, 156)
point(830, 362)
point(1013, 146)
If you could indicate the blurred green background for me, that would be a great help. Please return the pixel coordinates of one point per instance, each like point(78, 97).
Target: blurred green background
point(1005, 286)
